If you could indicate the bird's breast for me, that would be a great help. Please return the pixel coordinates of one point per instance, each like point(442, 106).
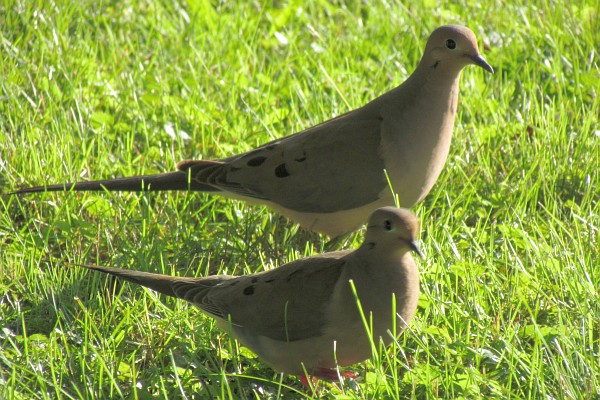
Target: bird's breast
point(415, 144)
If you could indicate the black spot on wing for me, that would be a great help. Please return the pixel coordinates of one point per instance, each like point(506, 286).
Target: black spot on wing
point(256, 161)
point(301, 158)
point(270, 280)
point(281, 171)
point(254, 280)
point(249, 290)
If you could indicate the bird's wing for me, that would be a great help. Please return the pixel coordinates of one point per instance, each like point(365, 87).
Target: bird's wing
point(287, 303)
point(331, 167)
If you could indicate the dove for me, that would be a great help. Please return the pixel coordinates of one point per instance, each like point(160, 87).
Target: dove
point(331, 177)
point(304, 317)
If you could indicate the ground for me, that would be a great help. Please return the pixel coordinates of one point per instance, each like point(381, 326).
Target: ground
point(510, 279)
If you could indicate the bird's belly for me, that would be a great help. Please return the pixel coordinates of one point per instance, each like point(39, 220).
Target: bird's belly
point(336, 223)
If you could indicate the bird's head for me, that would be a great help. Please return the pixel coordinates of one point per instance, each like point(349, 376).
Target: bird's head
point(453, 47)
point(392, 228)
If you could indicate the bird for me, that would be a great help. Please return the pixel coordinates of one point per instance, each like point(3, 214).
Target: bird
point(329, 178)
point(304, 318)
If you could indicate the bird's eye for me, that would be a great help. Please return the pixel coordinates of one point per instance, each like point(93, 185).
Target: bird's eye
point(450, 44)
point(387, 225)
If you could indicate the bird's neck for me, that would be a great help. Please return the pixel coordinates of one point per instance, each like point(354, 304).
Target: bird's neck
point(369, 250)
point(393, 268)
point(440, 81)
point(418, 138)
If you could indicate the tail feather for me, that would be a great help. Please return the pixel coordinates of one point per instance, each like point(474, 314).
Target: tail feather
point(157, 282)
point(193, 290)
point(178, 180)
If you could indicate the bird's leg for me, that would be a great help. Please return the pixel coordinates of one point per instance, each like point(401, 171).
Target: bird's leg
point(304, 379)
point(332, 375)
point(326, 374)
point(350, 375)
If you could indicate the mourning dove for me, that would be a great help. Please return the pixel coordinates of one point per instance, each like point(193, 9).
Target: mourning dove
point(303, 318)
point(330, 178)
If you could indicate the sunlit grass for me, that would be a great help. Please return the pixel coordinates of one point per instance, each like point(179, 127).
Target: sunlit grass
point(510, 283)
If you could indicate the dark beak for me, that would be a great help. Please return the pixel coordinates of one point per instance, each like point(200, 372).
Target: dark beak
point(480, 62)
point(414, 246)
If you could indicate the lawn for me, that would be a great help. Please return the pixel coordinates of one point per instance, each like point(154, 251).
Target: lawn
point(510, 302)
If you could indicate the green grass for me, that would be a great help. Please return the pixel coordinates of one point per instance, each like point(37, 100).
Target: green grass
point(510, 304)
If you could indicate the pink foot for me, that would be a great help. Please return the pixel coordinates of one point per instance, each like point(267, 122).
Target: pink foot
point(326, 374)
point(304, 380)
point(350, 375)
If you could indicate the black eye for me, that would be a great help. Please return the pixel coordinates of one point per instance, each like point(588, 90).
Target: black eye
point(451, 44)
point(387, 225)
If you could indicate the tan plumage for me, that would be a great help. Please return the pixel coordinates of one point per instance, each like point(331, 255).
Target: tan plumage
point(292, 315)
point(330, 178)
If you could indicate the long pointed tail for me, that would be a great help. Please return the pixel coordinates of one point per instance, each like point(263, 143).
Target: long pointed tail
point(158, 282)
point(178, 180)
point(193, 290)
point(186, 288)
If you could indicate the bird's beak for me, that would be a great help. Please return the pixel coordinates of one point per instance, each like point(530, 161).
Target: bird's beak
point(480, 62)
point(414, 246)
